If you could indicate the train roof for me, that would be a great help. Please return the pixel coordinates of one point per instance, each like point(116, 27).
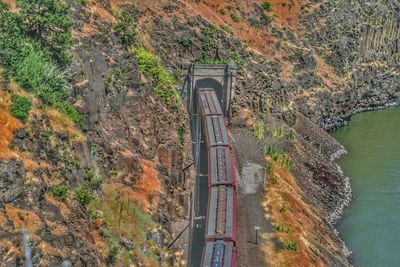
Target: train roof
point(221, 213)
point(209, 102)
point(219, 254)
point(216, 132)
point(221, 170)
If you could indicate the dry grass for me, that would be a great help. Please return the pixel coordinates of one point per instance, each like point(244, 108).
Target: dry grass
point(146, 191)
point(287, 14)
point(62, 124)
point(285, 206)
point(8, 125)
point(50, 251)
point(64, 209)
point(23, 219)
point(12, 4)
point(100, 243)
point(247, 116)
point(124, 218)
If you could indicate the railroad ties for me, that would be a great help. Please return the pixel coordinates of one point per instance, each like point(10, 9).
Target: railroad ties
point(220, 236)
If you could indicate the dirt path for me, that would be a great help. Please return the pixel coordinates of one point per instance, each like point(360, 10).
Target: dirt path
point(250, 213)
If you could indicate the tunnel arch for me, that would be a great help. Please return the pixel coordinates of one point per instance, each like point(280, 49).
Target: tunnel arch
point(214, 84)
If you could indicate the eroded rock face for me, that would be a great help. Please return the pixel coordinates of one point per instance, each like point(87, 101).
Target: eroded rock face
point(12, 178)
point(343, 59)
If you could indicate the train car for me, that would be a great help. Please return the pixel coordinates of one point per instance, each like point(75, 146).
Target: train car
point(208, 102)
point(221, 214)
point(219, 254)
point(215, 131)
point(220, 167)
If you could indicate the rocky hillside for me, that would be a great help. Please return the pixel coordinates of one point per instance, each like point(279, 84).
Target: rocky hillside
point(77, 181)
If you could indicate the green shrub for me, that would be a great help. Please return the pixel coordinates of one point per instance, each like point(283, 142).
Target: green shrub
point(125, 29)
point(181, 134)
point(291, 136)
point(227, 29)
point(280, 158)
point(235, 18)
point(45, 134)
point(267, 6)
point(186, 42)
point(20, 107)
point(104, 231)
point(222, 11)
point(112, 252)
point(283, 209)
point(277, 132)
point(265, 19)
point(259, 130)
point(90, 175)
point(96, 182)
point(47, 21)
point(29, 61)
point(70, 111)
point(60, 191)
point(163, 83)
point(84, 194)
point(291, 246)
point(282, 228)
point(72, 161)
point(270, 168)
point(209, 44)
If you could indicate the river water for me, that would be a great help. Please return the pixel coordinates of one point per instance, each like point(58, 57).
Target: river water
point(370, 225)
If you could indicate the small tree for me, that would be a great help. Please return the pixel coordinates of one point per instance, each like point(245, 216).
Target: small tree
point(125, 29)
point(267, 6)
point(20, 107)
point(84, 194)
point(60, 191)
point(48, 22)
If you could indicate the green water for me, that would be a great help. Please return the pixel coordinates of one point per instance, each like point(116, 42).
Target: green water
point(371, 224)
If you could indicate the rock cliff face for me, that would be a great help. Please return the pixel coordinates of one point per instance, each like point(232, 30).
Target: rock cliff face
point(304, 66)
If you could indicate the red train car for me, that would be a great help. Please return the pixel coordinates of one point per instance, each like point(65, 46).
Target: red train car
point(220, 167)
point(219, 254)
point(208, 102)
point(221, 214)
point(215, 131)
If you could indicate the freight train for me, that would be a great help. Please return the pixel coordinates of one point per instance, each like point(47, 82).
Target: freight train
point(220, 234)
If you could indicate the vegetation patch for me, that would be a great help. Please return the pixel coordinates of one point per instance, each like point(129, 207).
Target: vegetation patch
point(181, 134)
point(163, 83)
point(27, 54)
point(282, 228)
point(84, 194)
point(209, 45)
point(292, 246)
point(259, 130)
point(124, 218)
point(125, 29)
point(20, 107)
point(267, 6)
point(291, 136)
point(235, 18)
point(48, 23)
point(186, 43)
point(277, 132)
point(227, 29)
point(280, 158)
point(60, 191)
